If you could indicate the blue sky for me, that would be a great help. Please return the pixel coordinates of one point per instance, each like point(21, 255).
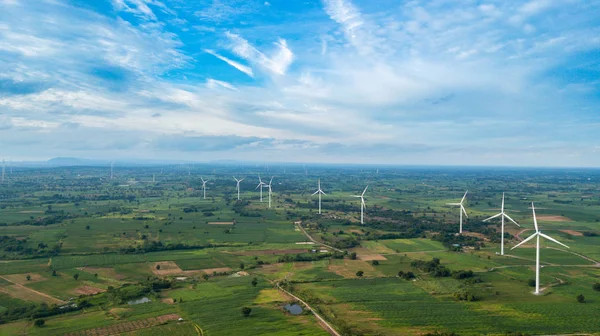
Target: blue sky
point(402, 82)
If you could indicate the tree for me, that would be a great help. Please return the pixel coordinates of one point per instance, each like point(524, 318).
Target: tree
point(531, 282)
point(242, 265)
point(353, 256)
point(246, 311)
point(53, 272)
point(580, 298)
point(205, 276)
point(87, 227)
point(360, 273)
point(28, 277)
point(157, 267)
point(375, 262)
point(254, 282)
point(596, 286)
point(76, 276)
point(39, 322)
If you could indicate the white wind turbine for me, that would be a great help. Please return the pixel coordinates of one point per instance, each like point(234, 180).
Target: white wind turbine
point(270, 191)
point(362, 205)
point(204, 186)
point(462, 209)
point(502, 215)
point(320, 192)
point(238, 186)
point(537, 235)
point(260, 186)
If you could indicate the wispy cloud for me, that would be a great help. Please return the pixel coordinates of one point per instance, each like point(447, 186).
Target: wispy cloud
point(245, 69)
point(279, 61)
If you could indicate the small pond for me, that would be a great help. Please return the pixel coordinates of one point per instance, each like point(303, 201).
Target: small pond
point(138, 301)
point(294, 309)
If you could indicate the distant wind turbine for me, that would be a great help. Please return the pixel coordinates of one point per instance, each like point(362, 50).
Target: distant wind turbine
point(502, 215)
point(362, 205)
point(320, 192)
point(204, 186)
point(260, 186)
point(462, 209)
point(270, 191)
point(238, 186)
point(537, 235)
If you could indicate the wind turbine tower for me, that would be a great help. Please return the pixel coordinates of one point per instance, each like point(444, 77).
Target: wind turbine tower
point(502, 215)
point(537, 235)
point(204, 187)
point(260, 186)
point(362, 205)
point(238, 186)
point(270, 191)
point(320, 192)
point(461, 210)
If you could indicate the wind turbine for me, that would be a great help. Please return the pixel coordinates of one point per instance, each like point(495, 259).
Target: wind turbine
point(362, 205)
point(502, 215)
point(462, 209)
point(270, 191)
point(320, 192)
point(204, 186)
point(238, 186)
point(260, 185)
point(537, 235)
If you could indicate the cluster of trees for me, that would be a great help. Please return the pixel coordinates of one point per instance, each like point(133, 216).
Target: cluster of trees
point(309, 257)
point(406, 275)
point(433, 267)
point(11, 248)
point(449, 240)
point(466, 296)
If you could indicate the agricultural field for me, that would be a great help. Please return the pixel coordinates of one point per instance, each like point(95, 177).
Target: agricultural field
point(83, 254)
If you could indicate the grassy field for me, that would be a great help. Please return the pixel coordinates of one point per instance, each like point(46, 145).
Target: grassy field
point(69, 237)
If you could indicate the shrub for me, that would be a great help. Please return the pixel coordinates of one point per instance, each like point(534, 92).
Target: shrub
point(39, 322)
point(531, 282)
point(246, 311)
point(596, 286)
point(580, 298)
point(375, 262)
point(360, 273)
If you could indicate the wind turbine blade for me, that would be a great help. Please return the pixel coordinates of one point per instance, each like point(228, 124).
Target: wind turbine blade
point(258, 186)
point(241, 180)
point(452, 203)
point(525, 241)
point(510, 219)
point(322, 192)
point(463, 199)
point(494, 216)
point(202, 180)
point(463, 210)
point(364, 191)
point(355, 196)
point(502, 202)
point(271, 180)
point(316, 192)
point(534, 218)
point(259, 180)
point(362, 200)
point(552, 239)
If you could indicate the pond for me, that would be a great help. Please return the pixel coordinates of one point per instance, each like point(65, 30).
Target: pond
point(294, 309)
point(138, 301)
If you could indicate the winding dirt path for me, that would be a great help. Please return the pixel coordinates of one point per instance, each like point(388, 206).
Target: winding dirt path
point(316, 241)
point(321, 320)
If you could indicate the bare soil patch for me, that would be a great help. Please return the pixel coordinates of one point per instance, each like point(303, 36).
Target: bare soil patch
point(27, 294)
point(166, 268)
point(348, 268)
point(573, 233)
point(476, 235)
point(126, 327)
point(167, 300)
point(369, 257)
point(357, 231)
point(88, 290)
point(30, 212)
point(220, 223)
point(554, 218)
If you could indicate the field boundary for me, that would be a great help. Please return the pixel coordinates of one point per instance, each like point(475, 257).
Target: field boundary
point(52, 298)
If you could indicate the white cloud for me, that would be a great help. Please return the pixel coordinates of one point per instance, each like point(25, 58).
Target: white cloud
point(213, 83)
point(279, 61)
point(245, 69)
